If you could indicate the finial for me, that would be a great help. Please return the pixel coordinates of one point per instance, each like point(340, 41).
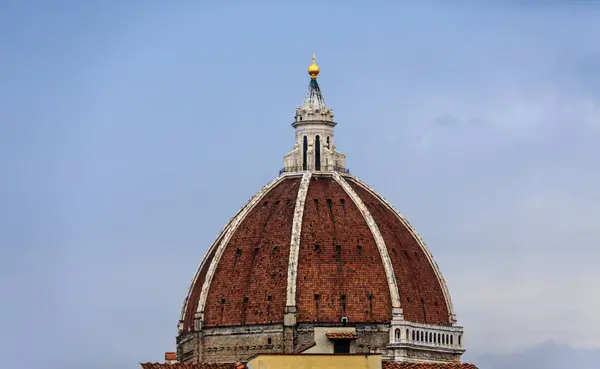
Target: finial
point(313, 69)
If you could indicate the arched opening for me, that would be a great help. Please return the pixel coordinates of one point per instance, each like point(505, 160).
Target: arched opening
point(304, 150)
point(407, 335)
point(459, 336)
point(413, 335)
point(328, 142)
point(317, 153)
point(397, 333)
point(451, 339)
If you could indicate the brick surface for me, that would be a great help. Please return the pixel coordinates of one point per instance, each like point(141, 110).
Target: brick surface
point(340, 273)
point(240, 347)
point(421, 294)
point(192, 366)
point(338, 261)
point(188, 321)
point(342, 336)
point(249, 285)
point(405, 365)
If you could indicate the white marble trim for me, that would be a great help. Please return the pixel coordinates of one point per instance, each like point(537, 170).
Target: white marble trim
point(421, 243)
point(385, 257)
point(229, 232)
point(295, 240)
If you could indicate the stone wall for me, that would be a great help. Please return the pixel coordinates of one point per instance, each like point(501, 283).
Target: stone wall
point(231, 344)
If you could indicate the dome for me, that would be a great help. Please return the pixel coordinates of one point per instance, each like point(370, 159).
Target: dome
point(339, 269)
point(317, 261)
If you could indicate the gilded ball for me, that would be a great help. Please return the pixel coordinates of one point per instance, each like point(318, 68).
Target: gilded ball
point(313, 70)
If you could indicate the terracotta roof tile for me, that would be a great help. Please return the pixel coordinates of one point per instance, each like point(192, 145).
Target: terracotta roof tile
point(250, 280)
point(342, 336)
point(422, 294)
point(192, 366)
point(170, 356)
point(305, 347)
point(404, 365)
point(338, 256)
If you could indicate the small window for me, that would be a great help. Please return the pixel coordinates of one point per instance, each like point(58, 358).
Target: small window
point(269, 341)
point(341, 346)
point(269, 298)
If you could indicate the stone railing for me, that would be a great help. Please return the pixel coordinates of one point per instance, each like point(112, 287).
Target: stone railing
point(427, 335)
point(324, 168)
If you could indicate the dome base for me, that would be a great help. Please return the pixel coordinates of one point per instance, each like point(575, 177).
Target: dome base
point(238, 343)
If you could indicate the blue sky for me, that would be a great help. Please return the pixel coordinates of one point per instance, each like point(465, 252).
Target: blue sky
point(131, 131)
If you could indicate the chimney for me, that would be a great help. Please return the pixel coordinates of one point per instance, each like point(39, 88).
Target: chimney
point(171, 358)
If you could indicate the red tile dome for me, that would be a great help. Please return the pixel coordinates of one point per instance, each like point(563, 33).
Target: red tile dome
point(340, 269)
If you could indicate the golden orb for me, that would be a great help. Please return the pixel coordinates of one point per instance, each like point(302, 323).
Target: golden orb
point(313, 69)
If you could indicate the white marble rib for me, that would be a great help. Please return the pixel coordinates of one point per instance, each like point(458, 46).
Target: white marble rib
point(295, 240)
point(385, 257)
point(421, 243)
point(227, 236)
